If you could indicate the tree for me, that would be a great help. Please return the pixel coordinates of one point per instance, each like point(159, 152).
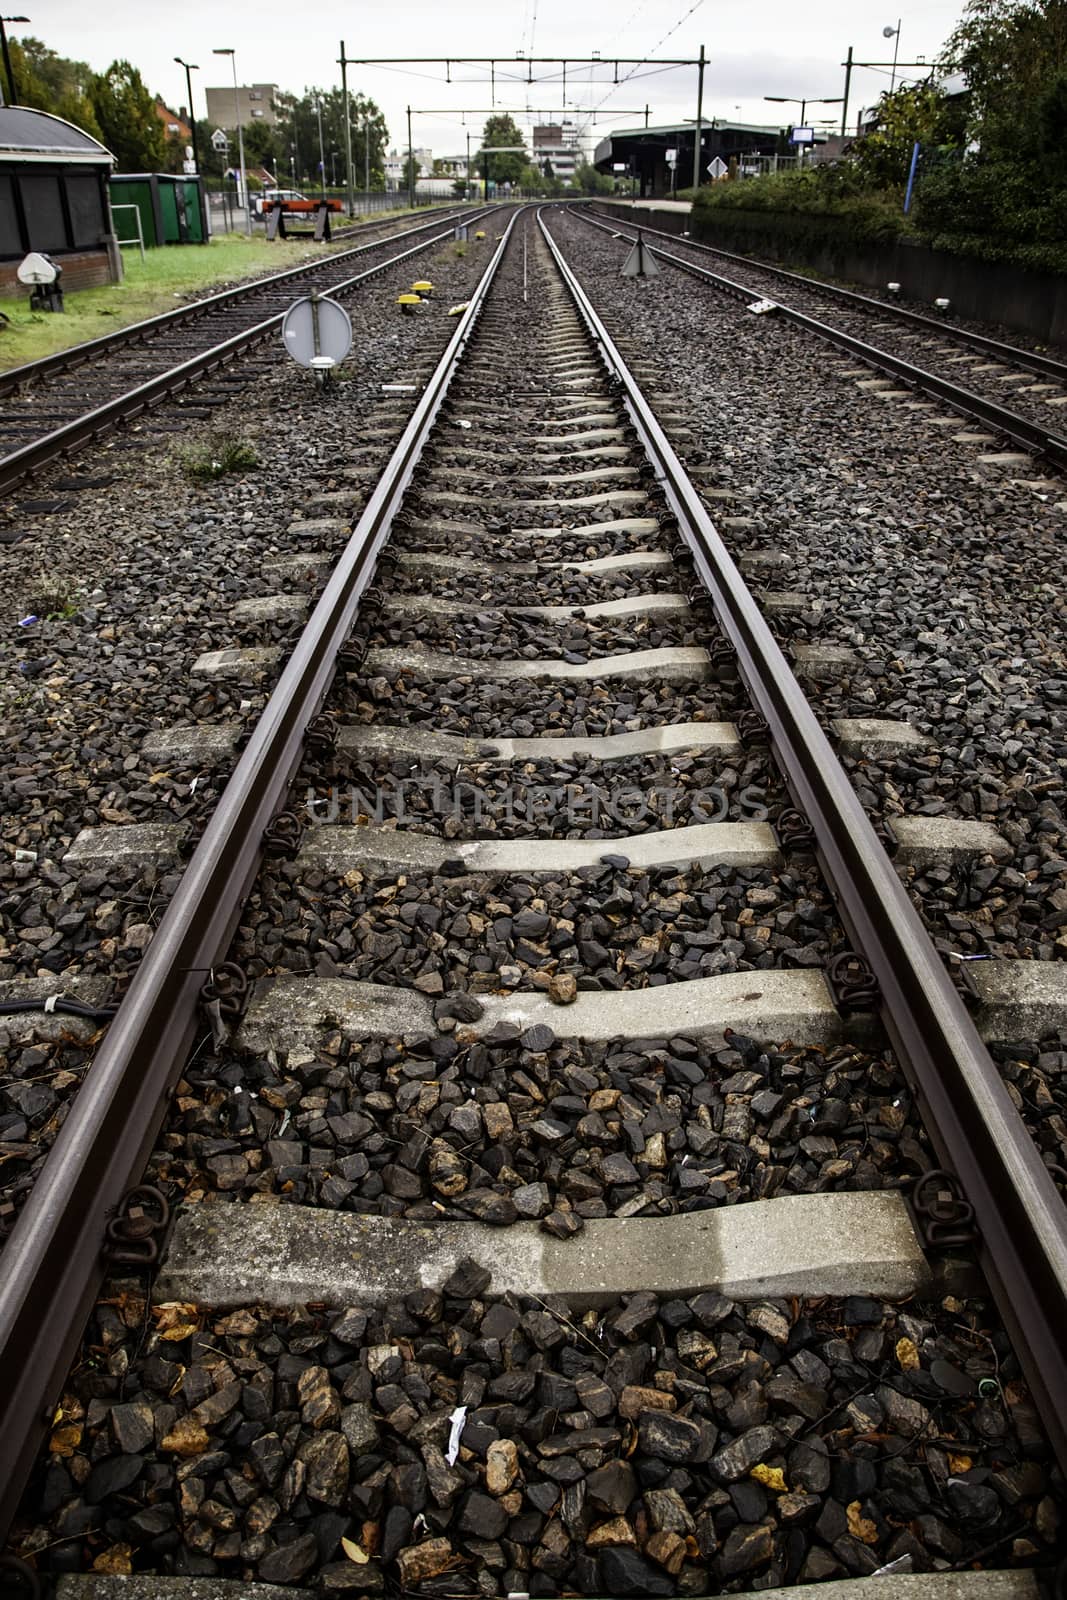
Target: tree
point(914, 113)
point(589, 181)
point(297, 134)
point(125, 113)
point(50, 82)
point(501, 133)
point(1002, 183)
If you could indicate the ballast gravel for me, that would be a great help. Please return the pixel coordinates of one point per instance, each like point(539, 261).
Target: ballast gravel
point(458, 1444)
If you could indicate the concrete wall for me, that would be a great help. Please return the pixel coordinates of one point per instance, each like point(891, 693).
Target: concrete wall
point(1029, 302)
point(82, 269)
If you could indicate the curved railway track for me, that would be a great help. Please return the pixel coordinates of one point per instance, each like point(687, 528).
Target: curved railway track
point(1038, 433)
point(533, 465)
point(52, 407)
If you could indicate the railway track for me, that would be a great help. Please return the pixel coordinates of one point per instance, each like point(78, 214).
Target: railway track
point(929, 359)
point(502, 1092)
point(51, 407)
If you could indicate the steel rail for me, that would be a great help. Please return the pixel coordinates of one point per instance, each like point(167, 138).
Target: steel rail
point(1033, 360)
point(1030, 435)
point(61, 441)
point(1020, 1216)
point(53, 1262)
point(67, 360)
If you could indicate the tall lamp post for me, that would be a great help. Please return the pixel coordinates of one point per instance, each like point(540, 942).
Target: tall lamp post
point(795, 100)
point(894, 34)
point(242, 180)
point(322, 151)
point(12, 86)
point(190, 68)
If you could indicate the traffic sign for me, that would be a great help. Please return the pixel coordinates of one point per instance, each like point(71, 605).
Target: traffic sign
point(718, 167)
point(316, 331)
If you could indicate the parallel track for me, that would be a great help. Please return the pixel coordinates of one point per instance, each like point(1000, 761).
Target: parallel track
point(53, 1264)
point(1012, 355)
point(46, 417)
point(1023, 431)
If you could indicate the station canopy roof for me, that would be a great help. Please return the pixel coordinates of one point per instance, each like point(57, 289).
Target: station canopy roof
point(27, 135)
point(659, 138)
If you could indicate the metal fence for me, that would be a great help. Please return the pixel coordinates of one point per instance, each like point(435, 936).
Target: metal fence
point(228, 217)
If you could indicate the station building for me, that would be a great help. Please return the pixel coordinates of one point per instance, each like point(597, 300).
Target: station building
point(642, 152)
point(54, 198)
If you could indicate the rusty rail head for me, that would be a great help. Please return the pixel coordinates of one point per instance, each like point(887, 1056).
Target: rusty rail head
point(1021, 1218)
point(52, 1264)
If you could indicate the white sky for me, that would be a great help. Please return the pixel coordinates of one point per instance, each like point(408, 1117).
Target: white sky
point(778, 47)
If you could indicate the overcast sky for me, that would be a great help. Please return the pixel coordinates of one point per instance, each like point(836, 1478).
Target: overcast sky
point(777, 47)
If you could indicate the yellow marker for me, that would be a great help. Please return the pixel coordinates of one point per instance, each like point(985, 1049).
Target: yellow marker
point(423, 287)
point(408, 303)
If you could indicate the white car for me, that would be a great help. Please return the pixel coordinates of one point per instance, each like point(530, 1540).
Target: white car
point(274, 194)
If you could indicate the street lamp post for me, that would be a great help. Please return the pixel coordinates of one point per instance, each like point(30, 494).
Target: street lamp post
point(190, 68)
point(894, 34)
point(366, 155)
point(12, 86)
point(242, 180)
point(795, 100)
point(322, 152)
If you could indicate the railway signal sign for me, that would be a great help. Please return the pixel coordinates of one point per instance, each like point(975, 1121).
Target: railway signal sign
point(717, 168)
point(317, 333)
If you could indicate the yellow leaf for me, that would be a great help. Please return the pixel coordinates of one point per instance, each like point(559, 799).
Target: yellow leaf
point(354, 1552)
point(183, 1330)
point(907, 1355)
point(959, 1463)
point(860, 1527)
point(64, 1441)
point(770, 1477)
point(115, 1560)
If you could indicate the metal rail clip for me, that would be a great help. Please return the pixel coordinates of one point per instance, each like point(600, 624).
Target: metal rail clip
point(227, 989)
point(851, 982)
point(322, 734)
point(793, 830)
point(282, 835)
point(132, 1237)
point(752, 727)
point(945, 1217)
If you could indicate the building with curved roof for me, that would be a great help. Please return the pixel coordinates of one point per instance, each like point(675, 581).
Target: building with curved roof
point(53, 197)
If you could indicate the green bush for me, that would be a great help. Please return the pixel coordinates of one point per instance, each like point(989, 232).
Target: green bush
point(808, 207)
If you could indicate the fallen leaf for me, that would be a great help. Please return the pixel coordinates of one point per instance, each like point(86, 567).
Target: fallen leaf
point(354, 1553)
point(64, 1441)
point(117, 1560)
point(860, 1527)
point(186, 1438)
point(770, 1477)
point(907, 1355)
point(958, 1464)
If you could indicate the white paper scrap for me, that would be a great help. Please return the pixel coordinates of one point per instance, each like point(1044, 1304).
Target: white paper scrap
point(457, 1419)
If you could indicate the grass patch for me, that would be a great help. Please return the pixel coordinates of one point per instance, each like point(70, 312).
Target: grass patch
point(217, 455)
point(168, 277)
point(52, 595)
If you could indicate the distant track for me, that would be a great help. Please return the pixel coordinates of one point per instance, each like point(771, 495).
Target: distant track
point(51, 407)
